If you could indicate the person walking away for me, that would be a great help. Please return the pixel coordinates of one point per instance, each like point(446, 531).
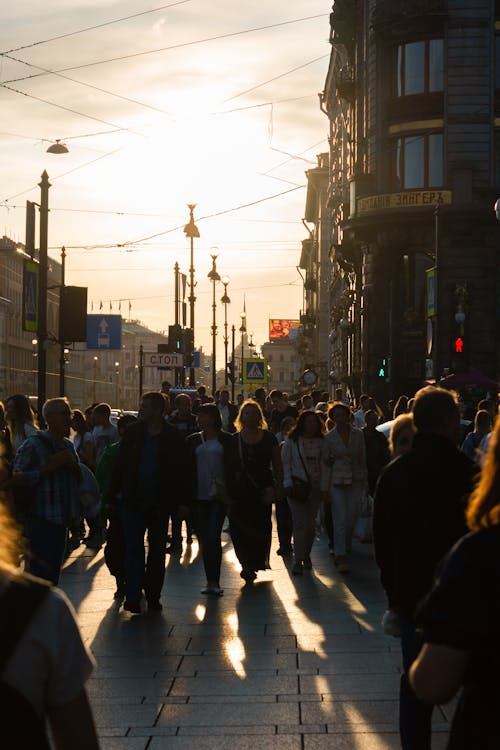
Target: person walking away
point(303, 461)
point(47, 467)
point(42, 674)
point(228, 411)
point(114, 550)
point(104, 433)
point(208, 499)
point(460, 620)
point(482, 427)
point(344, 483)
point(255, 480)
point(401, 407)
point(377, 449)
point(148, 482)
point(418, 516)
point(183, 419)
point(21, 421)
point(284, 523)
point(82, 442)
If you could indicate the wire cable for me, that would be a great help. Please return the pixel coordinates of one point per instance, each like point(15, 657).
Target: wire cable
point(180, 45)
point(92, 28)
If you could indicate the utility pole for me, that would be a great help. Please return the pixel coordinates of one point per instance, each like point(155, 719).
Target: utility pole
point(233, 339)
point(62, 362)
point(42, 290)
point(191, 231)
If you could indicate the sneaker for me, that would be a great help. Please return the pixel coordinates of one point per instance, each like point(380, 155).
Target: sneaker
point(284, 551)
point(213, 591)
point(74, 542)
point(154, 605)
point(307, 563)
point(133, 607)
point(96, 540)
point(342, 564)
point(297, 568)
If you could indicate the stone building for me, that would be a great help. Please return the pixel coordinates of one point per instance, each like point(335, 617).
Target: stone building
point(413, 99)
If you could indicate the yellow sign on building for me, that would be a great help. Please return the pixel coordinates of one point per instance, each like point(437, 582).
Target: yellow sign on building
point(404, 199)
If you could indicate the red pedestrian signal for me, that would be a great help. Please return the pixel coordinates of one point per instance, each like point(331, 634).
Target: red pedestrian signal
point(459, 345)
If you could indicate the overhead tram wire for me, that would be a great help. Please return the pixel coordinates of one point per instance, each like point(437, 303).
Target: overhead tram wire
point(96, 26)
point(180, 45)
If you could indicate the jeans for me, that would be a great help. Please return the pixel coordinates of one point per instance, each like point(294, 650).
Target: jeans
point(414, 717)
point(304, 520)
point(139, 573)
point(46, 545)
point(284, 523)
point(345, 504)
point(209, 519)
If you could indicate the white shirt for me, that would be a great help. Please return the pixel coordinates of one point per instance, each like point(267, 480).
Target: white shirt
point(359, 419)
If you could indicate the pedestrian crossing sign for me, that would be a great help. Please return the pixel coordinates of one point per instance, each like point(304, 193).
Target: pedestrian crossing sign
point(255, 371)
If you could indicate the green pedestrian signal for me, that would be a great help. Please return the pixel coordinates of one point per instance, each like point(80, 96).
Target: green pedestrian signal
point(383, 368)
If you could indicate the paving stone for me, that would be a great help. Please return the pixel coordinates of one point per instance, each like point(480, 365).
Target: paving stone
point(234, 685)
point(215, 742)
point(125, 715)
point(350, 684)
point(204, 714)
point(350, 712)
point(124, 743)
point(127, 687)
point(359, 741)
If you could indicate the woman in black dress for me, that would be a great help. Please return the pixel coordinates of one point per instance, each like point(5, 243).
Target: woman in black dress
point(256, 480)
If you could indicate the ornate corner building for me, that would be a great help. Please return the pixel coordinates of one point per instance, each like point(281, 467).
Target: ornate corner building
point(412, 96)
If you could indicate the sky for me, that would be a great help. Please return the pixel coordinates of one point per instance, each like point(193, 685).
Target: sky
point(182, 117)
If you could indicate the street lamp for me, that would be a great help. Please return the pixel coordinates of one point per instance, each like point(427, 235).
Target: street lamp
point(117, 383)
point(94, 397)
point(251, 345)
point(243, 330)
point(191, 231)
point(225, 301)
point(214, 278)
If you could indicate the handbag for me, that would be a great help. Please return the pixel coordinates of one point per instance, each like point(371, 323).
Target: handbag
point(301, 489)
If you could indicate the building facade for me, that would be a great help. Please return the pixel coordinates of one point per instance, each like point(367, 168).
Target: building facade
point(283, 365)
point(413, 101)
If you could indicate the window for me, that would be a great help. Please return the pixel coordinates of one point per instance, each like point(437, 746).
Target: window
point(419, 161)
point(419, 67)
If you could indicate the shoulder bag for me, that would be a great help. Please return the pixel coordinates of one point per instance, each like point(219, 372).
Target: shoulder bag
point(301, 489)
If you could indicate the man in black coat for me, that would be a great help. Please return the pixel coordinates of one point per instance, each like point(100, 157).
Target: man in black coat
point(149, 482)
point(418, 516)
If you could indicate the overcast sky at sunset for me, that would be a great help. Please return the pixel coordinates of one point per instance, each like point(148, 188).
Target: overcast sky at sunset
point(158, 135)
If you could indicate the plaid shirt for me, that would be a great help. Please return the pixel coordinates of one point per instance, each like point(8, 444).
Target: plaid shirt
point(56, 494)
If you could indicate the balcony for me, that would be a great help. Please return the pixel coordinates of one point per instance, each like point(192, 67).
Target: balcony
point(345, 84)
point(408, 16)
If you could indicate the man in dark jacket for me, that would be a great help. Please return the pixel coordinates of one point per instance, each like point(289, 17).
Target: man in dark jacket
point(419, 515)
point(149, 483)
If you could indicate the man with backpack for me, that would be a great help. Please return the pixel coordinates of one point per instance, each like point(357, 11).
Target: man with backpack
point(46, 474)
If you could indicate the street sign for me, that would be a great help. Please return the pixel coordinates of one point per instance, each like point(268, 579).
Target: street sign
point(104, 332)
point(255, 371)
point(30, 296)
point(161, 359)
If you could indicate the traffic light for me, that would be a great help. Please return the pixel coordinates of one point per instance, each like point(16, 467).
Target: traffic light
point(459, 345)
point(175, 339)
point(383, 368)
point(240, 378)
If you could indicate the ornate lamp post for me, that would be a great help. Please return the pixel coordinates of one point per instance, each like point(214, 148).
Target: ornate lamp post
point(214, 278)
point(243, 330)
point(225, 301)
point(191, 231)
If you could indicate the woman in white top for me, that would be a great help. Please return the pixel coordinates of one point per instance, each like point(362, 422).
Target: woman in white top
point(303, 459)
point(20, 420)
point(346, 479)
point(44, 664)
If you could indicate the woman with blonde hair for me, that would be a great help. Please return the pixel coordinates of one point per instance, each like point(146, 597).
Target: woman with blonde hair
point(42, 674)
point(401, 435)
point(21, 420)
point(461, 620)
point(255, 480)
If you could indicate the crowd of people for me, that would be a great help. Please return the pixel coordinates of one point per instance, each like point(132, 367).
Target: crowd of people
point(204, 462)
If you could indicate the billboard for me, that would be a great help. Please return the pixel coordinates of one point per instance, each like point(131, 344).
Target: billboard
point(283, 328)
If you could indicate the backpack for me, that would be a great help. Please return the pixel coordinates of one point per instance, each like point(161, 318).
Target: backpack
point(21, 727)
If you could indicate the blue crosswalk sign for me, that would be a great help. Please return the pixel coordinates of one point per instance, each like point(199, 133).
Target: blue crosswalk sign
point(255, 371)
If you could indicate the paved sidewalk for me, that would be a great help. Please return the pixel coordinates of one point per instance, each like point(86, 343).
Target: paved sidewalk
point(293, 663)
